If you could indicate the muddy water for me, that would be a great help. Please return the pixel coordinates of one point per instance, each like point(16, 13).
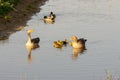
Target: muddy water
point(95, 20)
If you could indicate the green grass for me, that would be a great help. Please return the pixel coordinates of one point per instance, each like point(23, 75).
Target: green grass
point(6, 6)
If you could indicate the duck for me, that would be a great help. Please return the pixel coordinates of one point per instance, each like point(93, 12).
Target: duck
point(78, 43)
point(32, 43)
point(52, 15)
point(57, 44)
point(48, 20)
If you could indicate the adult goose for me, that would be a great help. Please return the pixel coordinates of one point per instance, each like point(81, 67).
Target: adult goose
point(32, 43)
point(78, 43)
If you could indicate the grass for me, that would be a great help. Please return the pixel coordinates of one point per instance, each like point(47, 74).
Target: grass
point(109, 76)
point(6, 6)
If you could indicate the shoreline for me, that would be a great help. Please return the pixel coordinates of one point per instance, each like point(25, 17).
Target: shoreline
point(19, 17)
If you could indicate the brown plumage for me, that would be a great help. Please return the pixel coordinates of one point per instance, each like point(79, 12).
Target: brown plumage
point(78, 43)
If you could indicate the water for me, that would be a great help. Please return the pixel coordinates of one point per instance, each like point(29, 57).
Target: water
point(95, 20)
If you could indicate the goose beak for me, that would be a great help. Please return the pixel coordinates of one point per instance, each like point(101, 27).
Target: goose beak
point(30, 30)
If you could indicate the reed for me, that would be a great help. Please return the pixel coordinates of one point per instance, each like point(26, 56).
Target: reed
point(108, 75)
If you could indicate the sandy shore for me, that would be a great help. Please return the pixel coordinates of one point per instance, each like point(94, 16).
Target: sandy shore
point(19, 16)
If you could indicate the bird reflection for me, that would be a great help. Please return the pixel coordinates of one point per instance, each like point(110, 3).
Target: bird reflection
point(76, 52)
point(29, 49)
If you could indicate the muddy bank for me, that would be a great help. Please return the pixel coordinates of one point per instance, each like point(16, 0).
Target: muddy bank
point(19, 16)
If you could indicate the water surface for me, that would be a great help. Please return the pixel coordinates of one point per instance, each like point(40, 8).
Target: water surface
point(95, 20)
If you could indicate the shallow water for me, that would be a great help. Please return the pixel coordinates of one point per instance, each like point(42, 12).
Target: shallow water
point(95, 20)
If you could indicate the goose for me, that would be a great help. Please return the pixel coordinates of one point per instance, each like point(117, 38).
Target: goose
point(32, 43)
point(78, 43)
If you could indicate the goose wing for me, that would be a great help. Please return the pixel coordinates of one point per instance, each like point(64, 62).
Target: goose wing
point(35, 40)
point(82, 40)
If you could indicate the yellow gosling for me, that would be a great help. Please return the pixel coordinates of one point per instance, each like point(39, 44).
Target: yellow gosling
point(60, 43)
point(57, 44)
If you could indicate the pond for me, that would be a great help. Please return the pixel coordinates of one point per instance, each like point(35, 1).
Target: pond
point(97, 21)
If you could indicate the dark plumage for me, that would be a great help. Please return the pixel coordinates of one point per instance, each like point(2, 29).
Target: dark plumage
point(52, 15)
point(35, 40)
point(78, 43)
point(82, 41)
point(45, 17)
point(65, 42)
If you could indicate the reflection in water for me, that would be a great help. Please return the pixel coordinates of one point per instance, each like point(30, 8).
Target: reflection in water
point(76, 52)
point(29, 49)
point(29, 58)
point(90, 20)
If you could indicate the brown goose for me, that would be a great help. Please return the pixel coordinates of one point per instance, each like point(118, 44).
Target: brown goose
point(78, 43)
